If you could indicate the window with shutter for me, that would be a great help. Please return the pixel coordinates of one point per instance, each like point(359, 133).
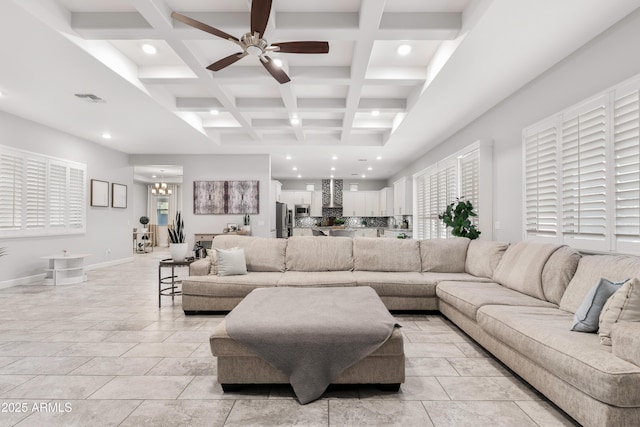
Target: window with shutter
point(440, 184)
point(598, 182)
point(40, 195)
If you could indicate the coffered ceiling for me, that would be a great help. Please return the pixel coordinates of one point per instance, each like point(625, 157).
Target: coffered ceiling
point(363, 102)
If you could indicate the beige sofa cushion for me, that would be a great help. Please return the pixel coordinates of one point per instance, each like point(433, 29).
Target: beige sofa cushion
point(317, 278)
point(229, 286)
point(468, 297)
point(307, 253)
point(591, 269)
point(433, 277)
point(558, 271)
point(483, 256)
point(444, 255)
point(625, 341)
point(261, 253)
point(623, 305)
point(521, 267)
point(375, 254)
point(398, 284)
point(542, 335)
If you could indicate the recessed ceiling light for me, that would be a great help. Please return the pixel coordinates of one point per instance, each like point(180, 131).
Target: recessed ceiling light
point(153, 176)
point(149, 49)
point(295, 121)
point(334, 158)
point(369, 168)
point(295, 168)
point(331, 176)
point(1, 93)
point(332, 168)
point(106, 135)
point(375, 113)
point(288, 157)
point(379, 158)
point(404, 49)
point(214, 112)
point(278, 62)
point(364, 176)
point(299, 176)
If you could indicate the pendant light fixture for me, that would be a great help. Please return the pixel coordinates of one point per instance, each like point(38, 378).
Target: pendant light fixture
point(160, 188)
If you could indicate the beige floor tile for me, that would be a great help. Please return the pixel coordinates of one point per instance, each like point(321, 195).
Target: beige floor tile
point(161, 350)
point(435, 337)
point(44, 365)
point(478, 367)
point(192, 413)
point(58, 387)
point(265, 413)
point(122, 325)
point(65, 413)
point(199, 336)
point(5, 360)
point(414, 388)
point(9, 382)
point(138, 336)
point(429, 367)
point(31, 348)
point(486, 388)
point(142, 387)
point(432, 350)
point(77, 336)
point(377, 413)
point(471, 350)
point(195, 366)
point(104, 349)
point(207, 387)
point(474, 414)
point(117, 366)
point(544, 414)
point(203, 350)
point(16, 410)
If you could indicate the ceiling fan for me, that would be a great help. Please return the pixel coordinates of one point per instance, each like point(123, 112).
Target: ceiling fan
point(253, 43)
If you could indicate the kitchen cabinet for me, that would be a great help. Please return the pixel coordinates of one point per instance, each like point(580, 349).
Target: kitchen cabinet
point(371, 203)
point(386, 201)
point(292, 198)
point(350, 202)
point(360, 203)
point(316, 204)
point(402, 197)
point(276, 187)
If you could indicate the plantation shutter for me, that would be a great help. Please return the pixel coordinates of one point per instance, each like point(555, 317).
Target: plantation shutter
point(447, 193)
point(76, 204)
point(57, 192)
point(420, 226)
point(584, 193)
point(626, 146)
point(541, 180)
point(11, 191)
point(470, 181)
point(36, 194)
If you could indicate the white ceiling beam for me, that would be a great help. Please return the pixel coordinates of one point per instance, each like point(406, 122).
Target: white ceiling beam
point(370, 15)
point(322, 104)
point(291, 103)
point(198, 104)
point(383, 104)
point(260, 103)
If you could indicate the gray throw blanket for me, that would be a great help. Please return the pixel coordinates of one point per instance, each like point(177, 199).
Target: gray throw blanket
point(311, 334)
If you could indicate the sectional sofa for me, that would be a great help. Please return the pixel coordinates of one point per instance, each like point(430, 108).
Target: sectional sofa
point(516, 301)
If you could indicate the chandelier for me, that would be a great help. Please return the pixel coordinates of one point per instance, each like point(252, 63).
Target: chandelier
point(160, 189)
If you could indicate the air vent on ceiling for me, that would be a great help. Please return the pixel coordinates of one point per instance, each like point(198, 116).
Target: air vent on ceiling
point(89, 97)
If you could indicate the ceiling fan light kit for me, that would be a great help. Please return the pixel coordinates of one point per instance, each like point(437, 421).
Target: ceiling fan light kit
point(253, 43)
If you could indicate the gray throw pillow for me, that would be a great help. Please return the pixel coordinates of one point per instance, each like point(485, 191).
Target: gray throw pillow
point(587, 316)
point(231, 262)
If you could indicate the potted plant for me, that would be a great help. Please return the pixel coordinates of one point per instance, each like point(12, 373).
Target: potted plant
point(177, 246)
point(144, 220)
point(338, 223)
point(457, 216)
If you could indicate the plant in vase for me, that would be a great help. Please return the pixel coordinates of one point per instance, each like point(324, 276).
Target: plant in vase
point(178, 245)
point(457, 216)
point(144, 220)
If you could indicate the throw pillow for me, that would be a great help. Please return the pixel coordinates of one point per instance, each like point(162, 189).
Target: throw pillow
point(586, 317)
point(213, 258)
point(623, 305)
point(231, 262)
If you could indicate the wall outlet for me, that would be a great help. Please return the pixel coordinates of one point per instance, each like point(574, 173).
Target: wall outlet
point(497, 225)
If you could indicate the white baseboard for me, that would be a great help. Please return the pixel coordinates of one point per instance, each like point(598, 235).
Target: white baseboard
point(29, 280)
point(38, 279)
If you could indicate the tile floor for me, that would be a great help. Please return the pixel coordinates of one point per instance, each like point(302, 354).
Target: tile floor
point(101, 353)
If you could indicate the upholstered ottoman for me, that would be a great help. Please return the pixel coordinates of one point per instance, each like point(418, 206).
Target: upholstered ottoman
point(319, 324)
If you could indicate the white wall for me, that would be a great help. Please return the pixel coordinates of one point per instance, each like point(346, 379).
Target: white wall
point(139, 201)
point(363, 184)
point(218, 168)
point(608, 59)
point(108, 229)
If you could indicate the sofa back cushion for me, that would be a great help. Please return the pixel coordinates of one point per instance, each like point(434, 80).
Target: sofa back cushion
point(483, 256)
point(380, 254)
point(558, 271)
point(261, 253)
point(521, 267)
point(591, 268)
point(308, 253)
point(444, 255)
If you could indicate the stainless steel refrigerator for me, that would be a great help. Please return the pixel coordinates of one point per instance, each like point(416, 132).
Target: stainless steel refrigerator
point(283, 221)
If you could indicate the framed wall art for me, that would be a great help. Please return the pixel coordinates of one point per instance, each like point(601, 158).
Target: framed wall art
point(99, 193)
point(118, 196)
point(226, 197)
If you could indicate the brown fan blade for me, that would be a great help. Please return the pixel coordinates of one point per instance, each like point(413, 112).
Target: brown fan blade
point(202, 26)
point(225, 62)
point(260, 10)
point(277, 72)
point(302, 47)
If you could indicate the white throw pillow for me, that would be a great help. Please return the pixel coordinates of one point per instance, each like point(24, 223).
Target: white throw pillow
point(231, 262)
point(623, 305)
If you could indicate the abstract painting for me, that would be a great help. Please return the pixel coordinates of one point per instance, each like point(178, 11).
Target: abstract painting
point(226, 197)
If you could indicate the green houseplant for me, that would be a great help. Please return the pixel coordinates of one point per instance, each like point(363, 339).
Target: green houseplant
point(177, 245)
point(457, 216)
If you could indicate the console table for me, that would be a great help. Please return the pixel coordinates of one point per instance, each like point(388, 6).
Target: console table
point(170, 291)
point(65, 269)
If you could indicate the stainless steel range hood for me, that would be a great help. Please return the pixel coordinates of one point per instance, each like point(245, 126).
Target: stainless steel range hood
point(331, 193)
